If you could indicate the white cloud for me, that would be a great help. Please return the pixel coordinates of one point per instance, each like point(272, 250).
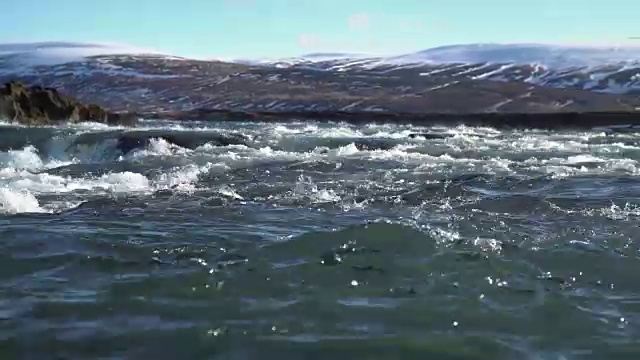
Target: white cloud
point(308, 40)
point(359, 21)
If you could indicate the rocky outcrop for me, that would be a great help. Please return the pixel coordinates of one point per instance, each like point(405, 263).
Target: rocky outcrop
point(41, 106)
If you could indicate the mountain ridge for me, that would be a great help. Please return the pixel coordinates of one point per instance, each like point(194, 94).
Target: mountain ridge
point(140, 81)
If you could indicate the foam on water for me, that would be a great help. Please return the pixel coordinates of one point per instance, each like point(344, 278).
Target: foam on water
point(359, 231)
point(26, 173)
point(12, 201)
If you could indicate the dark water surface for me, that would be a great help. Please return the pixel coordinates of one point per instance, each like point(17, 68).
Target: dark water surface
point(319, 241)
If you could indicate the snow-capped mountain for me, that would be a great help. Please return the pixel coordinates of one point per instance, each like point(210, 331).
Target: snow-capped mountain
point(29, 55)
point(34, 59)
point(557, 57)
point(614, 69)
point(302, 61)
point(550, 56)
point(435, 80)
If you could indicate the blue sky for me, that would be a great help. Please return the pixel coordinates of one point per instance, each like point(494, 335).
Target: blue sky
point(256, 28)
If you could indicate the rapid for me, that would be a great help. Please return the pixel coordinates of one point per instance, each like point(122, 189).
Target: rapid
point(249, 240)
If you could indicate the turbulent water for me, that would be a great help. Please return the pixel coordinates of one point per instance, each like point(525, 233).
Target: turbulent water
point(318, 241)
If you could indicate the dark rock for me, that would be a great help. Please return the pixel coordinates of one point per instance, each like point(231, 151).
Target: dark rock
point(36, 105)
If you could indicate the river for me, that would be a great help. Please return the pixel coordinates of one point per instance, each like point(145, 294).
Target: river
point(318, 241)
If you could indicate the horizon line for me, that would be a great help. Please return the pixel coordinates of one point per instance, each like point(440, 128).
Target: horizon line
point(149, 50)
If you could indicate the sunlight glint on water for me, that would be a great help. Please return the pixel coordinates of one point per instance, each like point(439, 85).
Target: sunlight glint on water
point(328, 239)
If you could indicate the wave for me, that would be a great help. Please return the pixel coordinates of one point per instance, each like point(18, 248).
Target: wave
point(301, 164)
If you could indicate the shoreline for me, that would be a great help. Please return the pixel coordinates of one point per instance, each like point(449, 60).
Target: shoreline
point(552, 120)
point(37, 105)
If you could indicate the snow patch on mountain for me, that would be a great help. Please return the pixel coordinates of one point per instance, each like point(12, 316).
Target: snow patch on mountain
point(312, 58)
point(599, 68)
point(332, 56)
point(550, 56)
point(57, 53)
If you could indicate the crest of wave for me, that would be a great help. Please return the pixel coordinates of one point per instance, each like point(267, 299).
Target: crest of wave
point(13, 202)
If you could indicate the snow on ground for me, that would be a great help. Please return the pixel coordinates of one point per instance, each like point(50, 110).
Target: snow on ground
point(551, 56)
point(21, 59)
point(57, 53)
point(596, 68)
point(545, 55)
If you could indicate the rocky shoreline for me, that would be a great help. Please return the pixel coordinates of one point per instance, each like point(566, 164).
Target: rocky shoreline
point(37, 105)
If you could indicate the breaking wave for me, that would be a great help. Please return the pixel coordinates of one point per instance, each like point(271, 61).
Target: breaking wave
point(329, 238)
point(79, 163)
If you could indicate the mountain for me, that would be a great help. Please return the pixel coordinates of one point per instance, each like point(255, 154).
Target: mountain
point(25, 56)
point(448, 79)
point(614, 69)
point(551, 56)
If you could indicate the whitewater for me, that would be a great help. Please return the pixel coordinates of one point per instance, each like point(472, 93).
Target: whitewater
point(326, 240)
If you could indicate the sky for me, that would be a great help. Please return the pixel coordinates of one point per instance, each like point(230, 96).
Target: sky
point(280, 28)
